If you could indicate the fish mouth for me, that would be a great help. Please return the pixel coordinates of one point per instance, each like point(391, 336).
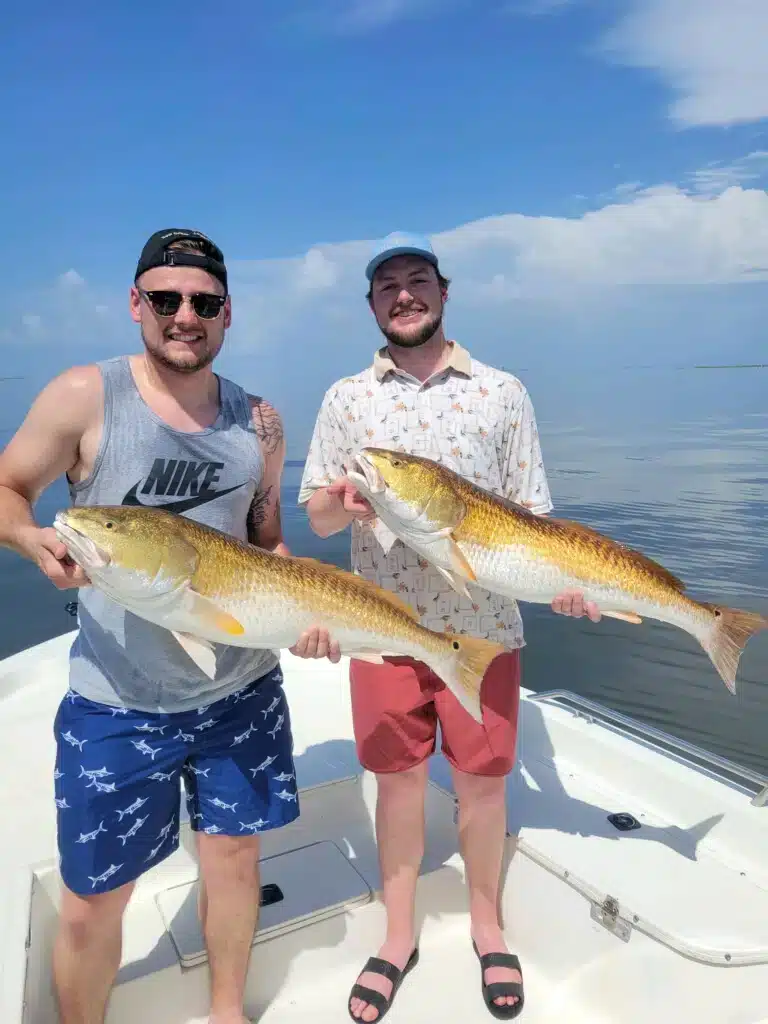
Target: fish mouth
point(80, 547)
point(365, 475)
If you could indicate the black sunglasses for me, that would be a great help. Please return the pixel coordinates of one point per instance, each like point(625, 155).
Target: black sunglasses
point(206, 305)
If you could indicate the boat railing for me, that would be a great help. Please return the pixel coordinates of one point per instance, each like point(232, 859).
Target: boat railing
point(720, 767)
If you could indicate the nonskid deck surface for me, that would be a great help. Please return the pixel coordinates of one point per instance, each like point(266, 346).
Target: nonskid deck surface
point(693, 880)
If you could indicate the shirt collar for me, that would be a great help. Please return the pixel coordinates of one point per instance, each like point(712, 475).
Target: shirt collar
point(459, 360)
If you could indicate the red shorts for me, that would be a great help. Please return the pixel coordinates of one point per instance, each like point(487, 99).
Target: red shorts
point(396, 707)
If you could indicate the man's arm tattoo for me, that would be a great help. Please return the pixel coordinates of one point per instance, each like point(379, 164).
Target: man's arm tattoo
point(268, 426)
point(257, 514)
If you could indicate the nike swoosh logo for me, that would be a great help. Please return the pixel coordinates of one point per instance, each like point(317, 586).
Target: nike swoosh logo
point(183, 504)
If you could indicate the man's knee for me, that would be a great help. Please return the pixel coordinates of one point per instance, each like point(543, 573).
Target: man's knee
point(223, 858)
point(479, 789)
point(405, 784)
point(82, 919)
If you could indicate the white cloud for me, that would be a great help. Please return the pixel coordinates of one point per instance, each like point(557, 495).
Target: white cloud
point(71, 279)
point(69, 318)
point(661, 274)
point(717, 176)
point(317, 271)
point(712, 53)
point(661, 235)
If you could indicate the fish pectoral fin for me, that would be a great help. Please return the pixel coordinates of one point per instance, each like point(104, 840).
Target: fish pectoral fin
point(455, 581)
point(200, 651)
point(210, 614)
point(632, 617)
point(460, 563)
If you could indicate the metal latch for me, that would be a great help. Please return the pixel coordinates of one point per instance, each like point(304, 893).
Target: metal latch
point(608, 914)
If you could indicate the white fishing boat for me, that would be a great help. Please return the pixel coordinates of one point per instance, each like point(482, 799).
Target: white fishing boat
point(636, 882)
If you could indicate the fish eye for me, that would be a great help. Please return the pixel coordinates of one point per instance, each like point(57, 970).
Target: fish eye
point(396, 463)
point(109, 525)
point(456, 645)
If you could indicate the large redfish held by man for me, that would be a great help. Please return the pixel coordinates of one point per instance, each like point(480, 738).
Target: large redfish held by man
point(207, 587)
point(471, 535)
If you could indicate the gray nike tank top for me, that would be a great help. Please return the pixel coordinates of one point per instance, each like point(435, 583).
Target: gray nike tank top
point(211, 476)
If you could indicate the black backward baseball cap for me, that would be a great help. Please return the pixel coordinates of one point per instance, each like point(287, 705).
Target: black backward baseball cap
point(157, 254)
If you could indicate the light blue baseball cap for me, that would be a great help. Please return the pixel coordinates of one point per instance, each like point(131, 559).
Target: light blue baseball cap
point(400, 243)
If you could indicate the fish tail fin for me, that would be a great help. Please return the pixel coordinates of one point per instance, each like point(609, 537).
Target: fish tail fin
point(472, 658)
point(730, 634)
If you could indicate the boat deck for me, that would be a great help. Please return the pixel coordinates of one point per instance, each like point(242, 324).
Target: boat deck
point(665, 922)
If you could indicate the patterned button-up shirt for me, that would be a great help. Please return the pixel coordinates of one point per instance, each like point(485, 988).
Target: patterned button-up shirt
point(475, 419)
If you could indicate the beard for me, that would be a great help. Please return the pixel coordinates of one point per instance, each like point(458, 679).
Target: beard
point(409, 339)
point(191, 363)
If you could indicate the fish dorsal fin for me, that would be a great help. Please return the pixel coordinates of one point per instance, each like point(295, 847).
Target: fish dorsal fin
point(359, 581)
point(599, 540)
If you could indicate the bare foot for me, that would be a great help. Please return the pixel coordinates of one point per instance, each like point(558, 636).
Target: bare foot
point(493, 942)
point(398, 954)
point(235, 1017)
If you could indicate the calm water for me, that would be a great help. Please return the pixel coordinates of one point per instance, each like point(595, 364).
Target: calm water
point(673, 461)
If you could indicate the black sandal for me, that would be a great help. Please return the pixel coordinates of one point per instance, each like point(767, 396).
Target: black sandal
point(369, 995)
point(498, 989)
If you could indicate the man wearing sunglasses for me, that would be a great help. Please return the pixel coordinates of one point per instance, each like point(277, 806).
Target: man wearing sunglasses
point(159, 429)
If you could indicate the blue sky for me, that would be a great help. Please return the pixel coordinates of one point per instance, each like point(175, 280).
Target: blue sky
point(592, 173)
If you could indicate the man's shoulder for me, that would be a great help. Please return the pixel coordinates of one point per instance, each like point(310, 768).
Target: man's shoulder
point(79, 383)
point(347, 387)
point(267, 422)
point(506, 381)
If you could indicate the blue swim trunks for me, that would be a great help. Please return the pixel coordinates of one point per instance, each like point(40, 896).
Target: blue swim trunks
point(118, 774)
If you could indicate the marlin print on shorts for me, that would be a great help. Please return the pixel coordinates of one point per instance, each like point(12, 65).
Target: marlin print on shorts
point(253, 826)
point(137, 804)
point(87, 837)
point(73, 740)
point(218, 802)
point(165, 830)
point(146, 727)
point(144, 748)
point(94, 773)
point(133, 829)
point(243, 736)
point(271, 708)
point(264, 765)
point(284, 777)
point(285, 795)
point(161, 776)
point(185, 737)
point(278, 726)
point(238, 694)
point(105, 876)
point(102, 787)
point(207, 724)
